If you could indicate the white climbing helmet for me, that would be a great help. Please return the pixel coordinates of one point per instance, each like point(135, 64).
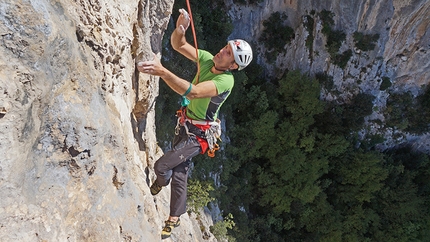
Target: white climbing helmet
point(242, 52)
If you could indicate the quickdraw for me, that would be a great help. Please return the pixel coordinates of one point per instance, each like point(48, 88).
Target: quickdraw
point(211, 152)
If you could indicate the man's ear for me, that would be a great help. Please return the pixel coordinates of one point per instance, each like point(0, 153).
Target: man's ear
point(234, 66)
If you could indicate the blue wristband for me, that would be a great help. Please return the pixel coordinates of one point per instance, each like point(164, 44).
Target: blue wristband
point(188, 91)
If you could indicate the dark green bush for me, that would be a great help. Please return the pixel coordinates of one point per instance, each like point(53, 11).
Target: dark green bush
point(334, 40)
point(341, 60)
point(276, 33)
point(326, 81)
point(365, 42)
point(327, 21)
point(308, 22)
point(386, 83)
point(407, 113)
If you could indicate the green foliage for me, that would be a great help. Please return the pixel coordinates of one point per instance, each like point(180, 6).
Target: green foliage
point(407, 113)
point(326, 81)
point(370, 141)
point(219, 229)
point(327, 21)
point(365, 42)
point(386, 83)
point(341, 60)
point(212, 23)
point(347, 117)
point(403, 205)
point(358, 176)
point(308, 22)
point(397, 109)
point(334, 40)
point(165, 110)
point(276, 33)
point(198, 195)
point(284, 159)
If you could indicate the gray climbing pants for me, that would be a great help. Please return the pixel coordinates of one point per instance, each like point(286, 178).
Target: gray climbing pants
point(173, 167)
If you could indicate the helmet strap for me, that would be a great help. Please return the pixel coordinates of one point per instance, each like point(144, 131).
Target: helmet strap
point(228, 69)
point(220, 69)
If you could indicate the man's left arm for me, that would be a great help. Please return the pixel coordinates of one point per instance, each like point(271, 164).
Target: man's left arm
point(179, 85)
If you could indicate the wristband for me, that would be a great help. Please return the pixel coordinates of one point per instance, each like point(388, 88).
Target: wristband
point(188, 91)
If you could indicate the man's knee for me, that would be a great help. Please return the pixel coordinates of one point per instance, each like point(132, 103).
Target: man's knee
point(160, 167)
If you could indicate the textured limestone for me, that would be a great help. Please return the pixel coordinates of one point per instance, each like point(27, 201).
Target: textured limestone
point(77, 132)
point(401, 53)
point(402, 48)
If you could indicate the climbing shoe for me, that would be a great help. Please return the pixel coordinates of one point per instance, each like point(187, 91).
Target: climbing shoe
point(167, 230)
point(155, 188)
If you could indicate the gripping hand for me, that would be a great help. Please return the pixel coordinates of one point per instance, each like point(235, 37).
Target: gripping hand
point(183, 20)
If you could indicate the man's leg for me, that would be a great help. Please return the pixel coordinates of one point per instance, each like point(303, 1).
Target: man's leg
point(185, 149)
point(178, 175)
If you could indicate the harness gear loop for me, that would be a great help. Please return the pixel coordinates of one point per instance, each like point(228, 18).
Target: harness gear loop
point(181, 114)
point(213, 134)
point(211, 153)
point(195, 41)
point(209, 131)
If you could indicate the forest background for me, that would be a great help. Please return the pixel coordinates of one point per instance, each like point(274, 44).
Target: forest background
point(292, 166)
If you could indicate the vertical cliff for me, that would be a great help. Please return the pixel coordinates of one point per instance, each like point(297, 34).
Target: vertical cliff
point(77, 132)
point(403, 27)
point(401, 53)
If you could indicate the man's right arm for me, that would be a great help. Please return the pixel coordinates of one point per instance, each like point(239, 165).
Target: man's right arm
point(178, 40)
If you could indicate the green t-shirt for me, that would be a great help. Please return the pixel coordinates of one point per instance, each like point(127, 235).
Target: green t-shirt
point(207, 108)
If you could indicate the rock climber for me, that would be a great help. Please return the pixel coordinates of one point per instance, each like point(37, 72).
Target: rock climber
point(197, 122)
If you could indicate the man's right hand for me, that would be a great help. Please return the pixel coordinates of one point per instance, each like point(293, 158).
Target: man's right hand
point(183, 21)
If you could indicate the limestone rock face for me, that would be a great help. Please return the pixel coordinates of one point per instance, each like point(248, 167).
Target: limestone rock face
point(401, 52)
point(77, 132)
point(403, 26)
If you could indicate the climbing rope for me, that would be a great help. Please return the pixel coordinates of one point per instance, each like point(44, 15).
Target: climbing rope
point(195, 41)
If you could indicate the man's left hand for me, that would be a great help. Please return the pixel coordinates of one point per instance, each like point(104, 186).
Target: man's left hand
point(153, 67)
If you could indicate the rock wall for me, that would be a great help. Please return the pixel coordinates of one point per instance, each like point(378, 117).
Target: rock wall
point(401, 53)
point(403, 27)
point(77, 132)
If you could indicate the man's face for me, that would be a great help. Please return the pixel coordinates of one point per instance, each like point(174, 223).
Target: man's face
point(225, 59)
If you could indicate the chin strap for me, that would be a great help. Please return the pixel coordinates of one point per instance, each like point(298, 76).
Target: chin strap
point(220, 69)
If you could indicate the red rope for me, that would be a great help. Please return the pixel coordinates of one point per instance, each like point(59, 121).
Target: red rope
point(195, 41)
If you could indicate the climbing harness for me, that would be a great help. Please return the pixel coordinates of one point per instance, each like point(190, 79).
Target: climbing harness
point(207, 132)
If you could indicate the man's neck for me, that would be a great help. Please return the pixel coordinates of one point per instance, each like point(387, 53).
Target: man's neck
point(215, 70)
